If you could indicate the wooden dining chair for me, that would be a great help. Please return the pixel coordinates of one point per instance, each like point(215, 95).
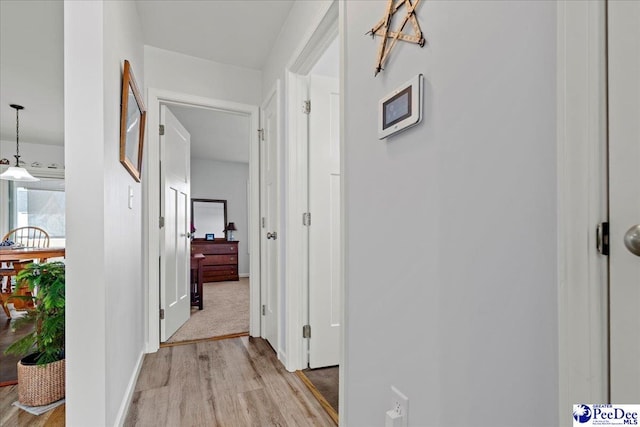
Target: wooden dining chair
point(29, 237)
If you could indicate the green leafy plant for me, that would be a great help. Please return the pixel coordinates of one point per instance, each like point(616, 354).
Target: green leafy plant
point(46, 283)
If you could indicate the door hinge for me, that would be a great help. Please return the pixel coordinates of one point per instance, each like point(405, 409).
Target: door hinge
point(602, 238)
point(264, 310)
point(161, 221)
point(306, 219)
point(306, 106)
point(262, 222)
point(162, 314)
point(261, 134)
point(306, 331)
point(161, 130)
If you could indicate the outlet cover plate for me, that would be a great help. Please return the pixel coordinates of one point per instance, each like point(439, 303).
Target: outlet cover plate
point(401, 402)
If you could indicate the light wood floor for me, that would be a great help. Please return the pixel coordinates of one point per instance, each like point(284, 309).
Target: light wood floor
point(14, 417)
point(231, 382)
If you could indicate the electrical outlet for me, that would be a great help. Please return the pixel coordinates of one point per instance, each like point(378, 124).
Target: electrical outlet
point(400, 404)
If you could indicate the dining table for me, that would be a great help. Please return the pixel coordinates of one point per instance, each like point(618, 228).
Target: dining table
point(24, 254)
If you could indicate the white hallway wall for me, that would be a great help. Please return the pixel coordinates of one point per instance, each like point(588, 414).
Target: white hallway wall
point(457, 308)
point(186, 74)
point(125, 333)
point(104, 237)
point(212, 179)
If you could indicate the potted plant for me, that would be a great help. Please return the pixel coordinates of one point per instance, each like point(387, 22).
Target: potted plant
point(41, 372)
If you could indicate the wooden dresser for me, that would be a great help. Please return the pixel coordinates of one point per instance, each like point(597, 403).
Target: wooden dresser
point(221, 259)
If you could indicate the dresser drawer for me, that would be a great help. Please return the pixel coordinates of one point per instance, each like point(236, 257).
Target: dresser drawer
point(215, 249)
point(220, 269)
point(215, 273)
point(220, 260)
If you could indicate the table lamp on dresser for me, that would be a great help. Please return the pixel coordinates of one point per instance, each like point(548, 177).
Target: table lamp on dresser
point(231, 228)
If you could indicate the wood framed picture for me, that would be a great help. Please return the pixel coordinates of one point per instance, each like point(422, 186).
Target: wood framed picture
point(132, 120)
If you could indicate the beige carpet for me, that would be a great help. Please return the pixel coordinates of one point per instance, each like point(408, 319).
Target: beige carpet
point(225, 312)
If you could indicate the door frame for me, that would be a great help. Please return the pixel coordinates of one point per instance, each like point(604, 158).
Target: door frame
point(151, 206)
point(324, 30)
point(582, 203)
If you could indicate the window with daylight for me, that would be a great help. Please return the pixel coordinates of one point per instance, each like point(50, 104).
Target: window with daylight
point(39, 204)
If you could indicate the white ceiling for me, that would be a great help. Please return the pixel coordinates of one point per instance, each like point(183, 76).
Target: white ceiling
point(31, 62)
point(216, 135)
point(233, 32)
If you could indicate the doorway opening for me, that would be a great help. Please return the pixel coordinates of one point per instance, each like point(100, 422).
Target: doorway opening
point(194, 108)
point(218, 223)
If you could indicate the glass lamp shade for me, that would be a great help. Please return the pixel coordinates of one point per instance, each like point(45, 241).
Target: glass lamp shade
point(231, 228)
point(14, 173)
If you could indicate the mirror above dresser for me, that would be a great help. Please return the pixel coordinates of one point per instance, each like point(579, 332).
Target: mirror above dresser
point(208, 217)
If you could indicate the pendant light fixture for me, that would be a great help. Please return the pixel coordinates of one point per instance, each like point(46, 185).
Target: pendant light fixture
point(17, 173)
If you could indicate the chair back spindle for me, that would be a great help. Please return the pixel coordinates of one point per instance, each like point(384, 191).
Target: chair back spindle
point(29, 237)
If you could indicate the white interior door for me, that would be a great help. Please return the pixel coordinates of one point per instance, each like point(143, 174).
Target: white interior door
point(175, 298)
point(324, 231)
point(270, 219)
point(624, 198)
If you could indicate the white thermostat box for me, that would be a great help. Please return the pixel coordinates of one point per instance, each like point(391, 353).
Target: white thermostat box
point(401, 109)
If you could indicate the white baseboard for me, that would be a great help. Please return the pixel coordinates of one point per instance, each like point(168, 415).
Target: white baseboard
point(128, 395)
point(282, 357)
point(243, 275)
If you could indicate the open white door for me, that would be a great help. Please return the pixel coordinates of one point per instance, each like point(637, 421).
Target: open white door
point(175, 298)
point(624, 198)
point(324, 231)
point(269, 193)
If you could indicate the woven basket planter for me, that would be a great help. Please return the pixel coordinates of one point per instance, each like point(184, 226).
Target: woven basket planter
point(40, 385)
